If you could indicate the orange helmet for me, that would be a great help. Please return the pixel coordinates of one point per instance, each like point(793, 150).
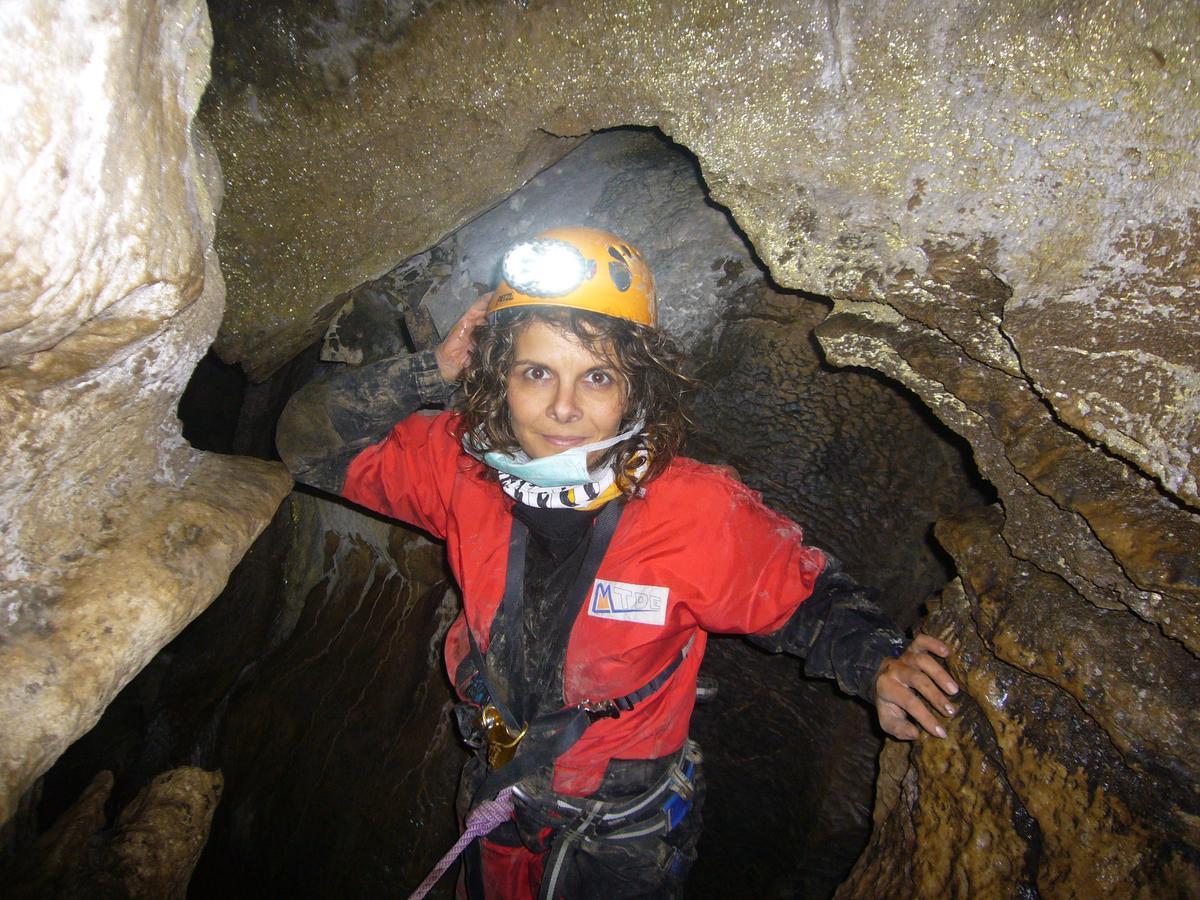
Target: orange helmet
point(579, 268)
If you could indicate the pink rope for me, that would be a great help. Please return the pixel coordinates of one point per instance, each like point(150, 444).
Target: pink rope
point(487, 815)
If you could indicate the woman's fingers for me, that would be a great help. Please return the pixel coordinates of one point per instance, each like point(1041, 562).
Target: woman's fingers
point(922, 647)
point(454, 352)
point(893, 689)
point(907, 686)
point(894, 722)
point(937, 674)
point(923, 685)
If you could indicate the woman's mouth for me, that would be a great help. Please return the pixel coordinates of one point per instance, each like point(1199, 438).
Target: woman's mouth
point(563, 443)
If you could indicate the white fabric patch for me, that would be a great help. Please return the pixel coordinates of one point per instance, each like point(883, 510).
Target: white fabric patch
point(628, 602)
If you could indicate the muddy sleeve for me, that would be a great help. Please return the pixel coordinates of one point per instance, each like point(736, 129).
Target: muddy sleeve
point(839, 631)
point(332, 419)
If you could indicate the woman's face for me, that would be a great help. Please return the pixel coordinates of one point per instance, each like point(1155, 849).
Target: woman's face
point(560, 394)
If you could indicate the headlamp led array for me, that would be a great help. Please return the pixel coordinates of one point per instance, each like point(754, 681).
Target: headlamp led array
point(579, 268)
point(546, 268)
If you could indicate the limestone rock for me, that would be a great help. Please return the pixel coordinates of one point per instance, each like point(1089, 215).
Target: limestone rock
point(1072, 509)
point(157, 839)
point(120, 604)
point(149, 852)
point(116, 533)
point(60, 853)
point(946, 822)
point(1131, 681)
point(315, 683)
point(1054, 777)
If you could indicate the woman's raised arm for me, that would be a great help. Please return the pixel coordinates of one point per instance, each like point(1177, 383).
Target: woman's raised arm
point(331, 420)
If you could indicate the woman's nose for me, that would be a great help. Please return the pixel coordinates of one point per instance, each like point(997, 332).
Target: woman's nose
point(564, 408)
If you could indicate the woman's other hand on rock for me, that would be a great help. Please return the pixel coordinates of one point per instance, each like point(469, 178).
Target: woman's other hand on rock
point(910, 687)
point(454, 352)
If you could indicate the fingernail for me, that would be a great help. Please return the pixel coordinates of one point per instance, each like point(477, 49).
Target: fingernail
point(940, 731)
point(953, 688)
point(950, 710)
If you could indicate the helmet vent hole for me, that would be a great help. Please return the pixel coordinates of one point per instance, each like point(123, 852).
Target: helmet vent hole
point(620, 275)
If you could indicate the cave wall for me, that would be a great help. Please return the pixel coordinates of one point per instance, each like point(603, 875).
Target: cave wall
point(115, 532)
point(329, 713)
point(1001, 201)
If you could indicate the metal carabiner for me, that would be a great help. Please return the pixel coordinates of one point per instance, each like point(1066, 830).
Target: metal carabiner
point(501, 740)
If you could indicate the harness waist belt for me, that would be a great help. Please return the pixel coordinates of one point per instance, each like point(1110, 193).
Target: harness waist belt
point(549, 736)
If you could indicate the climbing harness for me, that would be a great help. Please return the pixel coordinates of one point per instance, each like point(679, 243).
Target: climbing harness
point(514, 750)
point(514, 753)
point(653, 813)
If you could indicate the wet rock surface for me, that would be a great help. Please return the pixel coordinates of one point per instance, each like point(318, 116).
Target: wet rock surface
point(1072, 508)
point(1054, 779)
point(148, 852)
point(115, 532)
point(315, 684)
point(338, 749)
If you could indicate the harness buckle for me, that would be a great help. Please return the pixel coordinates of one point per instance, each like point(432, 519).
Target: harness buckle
point(501, 740)
point(600, 709)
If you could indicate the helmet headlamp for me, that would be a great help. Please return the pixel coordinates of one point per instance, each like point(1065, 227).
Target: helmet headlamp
point(546, 268)
point(578, 268)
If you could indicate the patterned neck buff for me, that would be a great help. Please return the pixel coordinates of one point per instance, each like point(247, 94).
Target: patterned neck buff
point(583, 496)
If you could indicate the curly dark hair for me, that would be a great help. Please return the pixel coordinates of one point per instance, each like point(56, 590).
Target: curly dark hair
point(648, 360)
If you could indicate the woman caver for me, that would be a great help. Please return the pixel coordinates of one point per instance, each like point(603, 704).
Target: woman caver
point(593, 563)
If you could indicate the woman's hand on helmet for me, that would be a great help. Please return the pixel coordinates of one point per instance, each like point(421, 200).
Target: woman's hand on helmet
point(454, 352)
point(907, 686)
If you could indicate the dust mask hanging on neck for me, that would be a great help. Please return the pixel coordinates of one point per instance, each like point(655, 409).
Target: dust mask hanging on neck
point(566, 469)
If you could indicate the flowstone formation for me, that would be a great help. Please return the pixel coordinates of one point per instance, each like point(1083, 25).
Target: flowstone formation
point(116, 533)
point(1001, 200)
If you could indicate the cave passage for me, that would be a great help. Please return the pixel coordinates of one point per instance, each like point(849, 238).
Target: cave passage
point(314, 681)
point(1000, 212)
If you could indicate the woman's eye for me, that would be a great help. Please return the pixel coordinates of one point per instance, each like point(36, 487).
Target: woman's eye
point(535, 373)
point(599, 379)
